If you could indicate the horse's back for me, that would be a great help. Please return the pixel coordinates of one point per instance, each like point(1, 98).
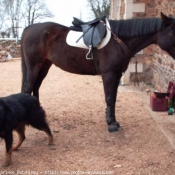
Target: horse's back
point(42, 31)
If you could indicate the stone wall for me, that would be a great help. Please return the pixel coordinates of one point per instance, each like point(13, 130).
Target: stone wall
point(164, 65)
point(146, 59)
point(8, 50)
point(158, 66)
point(146, 56)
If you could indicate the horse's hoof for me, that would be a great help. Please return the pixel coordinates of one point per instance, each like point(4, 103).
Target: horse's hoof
point(114, 127)
point(118, 124)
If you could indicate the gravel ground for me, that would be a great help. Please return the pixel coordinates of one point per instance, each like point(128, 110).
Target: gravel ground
point(75, 110)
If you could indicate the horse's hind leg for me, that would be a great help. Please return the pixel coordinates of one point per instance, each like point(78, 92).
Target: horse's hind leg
point(42, 74)
point(32, 74)
point(111, 81)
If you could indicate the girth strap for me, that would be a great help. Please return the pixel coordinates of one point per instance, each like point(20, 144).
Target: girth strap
point(95, 59)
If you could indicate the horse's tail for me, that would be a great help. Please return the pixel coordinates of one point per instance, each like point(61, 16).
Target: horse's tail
point(23, 63)
point(24, 70)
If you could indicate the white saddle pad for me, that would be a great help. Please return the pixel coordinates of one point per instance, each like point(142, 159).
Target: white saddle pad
point(73, 36)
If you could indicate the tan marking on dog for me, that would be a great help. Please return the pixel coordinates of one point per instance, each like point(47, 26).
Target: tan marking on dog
point(8, 158)
point(21, 137)
point(20, 141)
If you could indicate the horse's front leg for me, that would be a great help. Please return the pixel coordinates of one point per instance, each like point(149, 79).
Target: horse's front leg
point(110, 82)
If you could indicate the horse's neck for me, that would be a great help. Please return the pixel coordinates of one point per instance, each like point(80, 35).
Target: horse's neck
point(136, 44)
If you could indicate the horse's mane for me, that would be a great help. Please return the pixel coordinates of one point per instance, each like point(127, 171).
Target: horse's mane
point(135, 27)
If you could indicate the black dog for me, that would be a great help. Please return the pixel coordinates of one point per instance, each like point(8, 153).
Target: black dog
point(16, 111)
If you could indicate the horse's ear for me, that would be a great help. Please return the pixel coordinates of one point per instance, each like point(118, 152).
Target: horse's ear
point(166, 20)
point(164, 17)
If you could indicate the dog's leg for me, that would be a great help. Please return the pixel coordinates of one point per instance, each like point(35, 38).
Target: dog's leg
point(8, 142)
point(49, 134)
point(43, 126)
point(20, 130)
point(37, 120)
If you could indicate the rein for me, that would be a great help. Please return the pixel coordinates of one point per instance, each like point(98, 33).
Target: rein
point(123, 45)
point(120, 41)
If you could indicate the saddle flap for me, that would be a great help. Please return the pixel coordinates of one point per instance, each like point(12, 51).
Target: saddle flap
point(93, 34)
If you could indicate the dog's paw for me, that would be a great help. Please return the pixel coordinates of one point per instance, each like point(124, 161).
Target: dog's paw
point(7, 163)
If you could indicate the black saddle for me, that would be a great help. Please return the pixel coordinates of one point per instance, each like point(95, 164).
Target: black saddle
point(93, 31)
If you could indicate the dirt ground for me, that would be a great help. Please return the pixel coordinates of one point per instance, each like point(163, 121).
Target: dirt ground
point(75, 110)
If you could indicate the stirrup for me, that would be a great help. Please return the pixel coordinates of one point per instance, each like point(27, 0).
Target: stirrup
point(90, 48)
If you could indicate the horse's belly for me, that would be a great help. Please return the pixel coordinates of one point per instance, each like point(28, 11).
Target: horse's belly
point(74, 60)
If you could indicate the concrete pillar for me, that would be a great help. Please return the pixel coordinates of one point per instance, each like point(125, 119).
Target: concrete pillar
point(131, 7)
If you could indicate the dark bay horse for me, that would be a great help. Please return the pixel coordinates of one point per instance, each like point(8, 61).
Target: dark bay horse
point(44, 44)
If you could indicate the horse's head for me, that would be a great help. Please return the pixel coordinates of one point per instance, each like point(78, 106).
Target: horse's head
point(166, 37)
